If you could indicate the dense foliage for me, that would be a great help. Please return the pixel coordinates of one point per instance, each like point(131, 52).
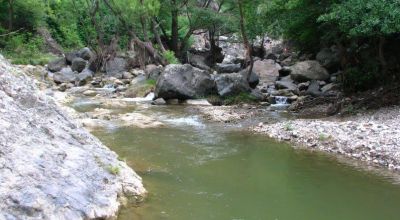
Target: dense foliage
point(361, 29)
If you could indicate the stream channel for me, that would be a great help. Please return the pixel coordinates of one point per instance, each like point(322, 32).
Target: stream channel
point(195, 169)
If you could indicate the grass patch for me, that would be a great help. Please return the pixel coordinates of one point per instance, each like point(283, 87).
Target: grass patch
point(240, 99)
point(32, 59)
point(151, 82)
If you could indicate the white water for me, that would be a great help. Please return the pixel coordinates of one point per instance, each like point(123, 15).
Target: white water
point(281, 103)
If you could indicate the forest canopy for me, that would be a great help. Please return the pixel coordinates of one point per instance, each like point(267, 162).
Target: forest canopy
point(164, 28)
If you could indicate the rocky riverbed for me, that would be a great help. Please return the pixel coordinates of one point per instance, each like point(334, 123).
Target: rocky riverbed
point(373, 137)
point(51, 168)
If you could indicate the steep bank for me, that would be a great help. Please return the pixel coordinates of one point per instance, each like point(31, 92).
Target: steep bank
point(49, 167)
point(373, 137)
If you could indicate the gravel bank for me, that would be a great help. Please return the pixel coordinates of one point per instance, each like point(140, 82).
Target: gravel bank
point(371, 137)
point(50, 168)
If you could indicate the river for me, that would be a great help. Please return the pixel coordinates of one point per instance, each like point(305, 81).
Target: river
point(194, 169)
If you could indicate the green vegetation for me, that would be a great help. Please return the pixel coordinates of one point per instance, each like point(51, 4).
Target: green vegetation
point(364, 31)
point(239, 99)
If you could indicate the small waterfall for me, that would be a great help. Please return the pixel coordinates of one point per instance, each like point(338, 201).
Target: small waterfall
point(282, 103)
point(281, 100)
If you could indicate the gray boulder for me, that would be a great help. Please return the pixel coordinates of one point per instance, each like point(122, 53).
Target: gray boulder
point(85, 53)
point(78, 64)
point(308, 70)
point(231, 84)
point(253, 80)
point(66, 75)
point(116, 67)
point(184, 82)
point(70, 56)
point(267, 70)
point(313, 89)
point(84, 77)
point(56, 65)
point(228, 68)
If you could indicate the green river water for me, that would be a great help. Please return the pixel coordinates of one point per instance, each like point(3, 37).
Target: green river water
point(198, 170)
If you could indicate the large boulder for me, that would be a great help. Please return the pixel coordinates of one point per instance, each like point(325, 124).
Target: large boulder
point(116, 67)
point(85, 53)
point(231, 84)
point(267, 70)
point(66, 75)
point(78, 64)
point(184, 82)
point(308, 70)
point(56, 65)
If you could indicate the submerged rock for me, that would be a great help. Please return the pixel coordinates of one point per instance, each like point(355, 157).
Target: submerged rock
point(49, 167)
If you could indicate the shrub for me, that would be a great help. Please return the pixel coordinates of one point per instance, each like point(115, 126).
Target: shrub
point(170, 57)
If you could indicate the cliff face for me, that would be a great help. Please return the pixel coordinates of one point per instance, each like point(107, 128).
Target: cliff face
point(49, 167)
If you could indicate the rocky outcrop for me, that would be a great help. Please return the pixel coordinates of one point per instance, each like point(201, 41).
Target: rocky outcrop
point(49, 167)
point(184, 82)
point(308, 70)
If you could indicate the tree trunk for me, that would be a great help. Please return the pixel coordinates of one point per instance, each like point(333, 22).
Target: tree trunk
point(382, 60)
point(144, 24)
point(246, 40)
point(174, 29)
point(157, 36)
point(10, 14)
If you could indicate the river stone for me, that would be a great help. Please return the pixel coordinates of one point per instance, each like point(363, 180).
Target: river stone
point(66, 75)
point(308, 70)
point(56, 65)
point(313, 89)
point(50, 167)
point(78, 64)
point(84, 77)
point(184, 82)
point(286, 84)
